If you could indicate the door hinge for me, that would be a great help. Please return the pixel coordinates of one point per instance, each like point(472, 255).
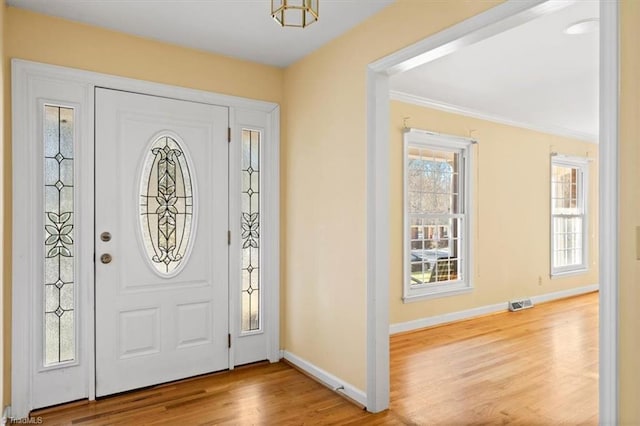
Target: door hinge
point(228, 238)
point(228, 134)
point(229, 340)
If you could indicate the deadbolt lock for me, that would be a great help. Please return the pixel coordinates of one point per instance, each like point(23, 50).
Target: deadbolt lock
point(105, 236)
point(105, 258)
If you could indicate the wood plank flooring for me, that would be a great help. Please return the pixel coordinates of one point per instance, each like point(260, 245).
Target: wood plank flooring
point(538, 366)
point(533, 367)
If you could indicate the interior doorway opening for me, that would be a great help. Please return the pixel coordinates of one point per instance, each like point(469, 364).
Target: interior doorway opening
point(496, 20)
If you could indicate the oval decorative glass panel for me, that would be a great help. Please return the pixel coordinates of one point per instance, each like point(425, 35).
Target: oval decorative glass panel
point(166, 205)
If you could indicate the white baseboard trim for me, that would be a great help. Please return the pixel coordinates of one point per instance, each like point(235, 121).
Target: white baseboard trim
point(445, 318)
point(6, 415)
point(327, 379)
point(565, 293)
point(483, 310)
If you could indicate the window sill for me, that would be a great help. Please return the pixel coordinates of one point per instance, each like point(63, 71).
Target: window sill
point(570, 273)
point(436, 293)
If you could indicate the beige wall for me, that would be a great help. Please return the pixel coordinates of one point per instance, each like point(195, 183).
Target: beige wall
point(629, 313)
point(42, 38)
point(56, 41)
point(324, 205)
point(512, 190)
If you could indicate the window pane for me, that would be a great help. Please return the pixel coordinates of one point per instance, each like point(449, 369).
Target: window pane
point(568, 241)
point(435, 249)
point(565, 191)
point(433, 180)
point(166, 205)
point(59, 248)
point(250, 209)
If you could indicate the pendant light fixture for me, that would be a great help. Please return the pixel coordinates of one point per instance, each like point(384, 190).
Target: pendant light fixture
point(294, 13)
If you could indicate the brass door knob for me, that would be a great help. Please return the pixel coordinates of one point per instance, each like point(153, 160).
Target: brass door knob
point(105, 258)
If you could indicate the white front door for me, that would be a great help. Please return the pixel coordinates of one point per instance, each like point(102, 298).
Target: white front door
point(161, 221)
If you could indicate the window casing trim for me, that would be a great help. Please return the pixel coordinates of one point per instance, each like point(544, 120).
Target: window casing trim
point(582, 165)
point(425, 139)
point(439, 290)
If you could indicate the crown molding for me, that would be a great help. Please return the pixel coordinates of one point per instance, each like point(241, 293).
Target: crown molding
point(469, 112)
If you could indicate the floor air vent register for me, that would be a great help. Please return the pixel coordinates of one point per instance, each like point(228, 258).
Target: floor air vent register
point(520, 304)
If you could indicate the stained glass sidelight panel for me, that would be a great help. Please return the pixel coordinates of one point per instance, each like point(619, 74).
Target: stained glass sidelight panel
point(166, 205)
point(59, 280)
point(250, 230)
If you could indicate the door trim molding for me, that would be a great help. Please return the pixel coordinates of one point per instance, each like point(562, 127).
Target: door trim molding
point(495, 20)
point(609, 206)
point(24, 75)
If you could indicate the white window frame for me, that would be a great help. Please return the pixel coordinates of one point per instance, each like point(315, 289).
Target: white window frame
point(582, 165)
point(425, 139)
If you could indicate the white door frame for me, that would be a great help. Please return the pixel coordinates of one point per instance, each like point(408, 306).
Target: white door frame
point(79, 87)
point(479, 27)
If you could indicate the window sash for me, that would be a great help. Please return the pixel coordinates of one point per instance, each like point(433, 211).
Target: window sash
point(569, 246)
point(434, 260)
point(578, 196)
point(573, 243)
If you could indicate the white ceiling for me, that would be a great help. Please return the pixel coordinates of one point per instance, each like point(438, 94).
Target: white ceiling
point(238, 28)
point(533, 75)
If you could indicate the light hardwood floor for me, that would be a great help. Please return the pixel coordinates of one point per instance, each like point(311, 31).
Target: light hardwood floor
point(534, 367)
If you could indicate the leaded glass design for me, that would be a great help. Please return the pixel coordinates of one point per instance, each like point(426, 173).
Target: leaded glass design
point(250, 230)
point(59, 281)
point(166, 205)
